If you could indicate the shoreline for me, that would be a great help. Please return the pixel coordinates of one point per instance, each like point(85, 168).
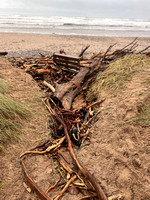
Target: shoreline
point(78, 32)
point(23, 44)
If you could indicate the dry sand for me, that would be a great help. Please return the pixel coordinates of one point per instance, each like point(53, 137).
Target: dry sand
point(33, 44)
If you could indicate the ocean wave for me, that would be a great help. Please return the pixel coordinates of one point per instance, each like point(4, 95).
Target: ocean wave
point(74, 22)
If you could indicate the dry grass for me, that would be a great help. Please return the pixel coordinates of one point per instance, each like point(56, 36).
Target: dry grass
point(116, 75)
point(143, 116)
point(3, 87)
point(11, 115)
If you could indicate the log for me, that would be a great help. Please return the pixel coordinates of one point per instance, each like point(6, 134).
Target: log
point(62, 89)
point(65, 92)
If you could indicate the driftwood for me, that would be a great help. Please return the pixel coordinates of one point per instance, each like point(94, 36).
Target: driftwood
point(49, 86)
point(83, 51)
point(50, 148)
point(66, 187)
point(66, 92)
point(33, 185)
point(53, 186)
point(85, 172)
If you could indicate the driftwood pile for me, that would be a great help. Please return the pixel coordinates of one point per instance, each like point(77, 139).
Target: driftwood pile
point(65, 80)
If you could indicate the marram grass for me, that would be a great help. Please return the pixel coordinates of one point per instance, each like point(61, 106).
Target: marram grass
point(3, 87)
point(143, 116)
point(11, 114)
point(117, 73)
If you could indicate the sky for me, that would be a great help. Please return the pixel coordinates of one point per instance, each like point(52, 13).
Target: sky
point(85, 8)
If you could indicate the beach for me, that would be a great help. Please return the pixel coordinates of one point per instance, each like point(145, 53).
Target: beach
point(115, 147)
point(21, 45)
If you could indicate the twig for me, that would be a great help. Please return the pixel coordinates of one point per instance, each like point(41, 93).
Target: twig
point(134, 41)
point(67, 168)
point(143, 50)
point(133, 47)
point(88, 197)
point(109, 48)
point(92, 118)
point(53, 186)
point(82, 52)
point(85, 136)
point(60, 152)
point(61, 170)
point(33, 185)
point(65, 188)
point(95, 103)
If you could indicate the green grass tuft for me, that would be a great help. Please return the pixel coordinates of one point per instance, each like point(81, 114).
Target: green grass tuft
point(11, 114)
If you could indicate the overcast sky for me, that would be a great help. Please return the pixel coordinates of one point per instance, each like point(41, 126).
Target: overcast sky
point(88, 8)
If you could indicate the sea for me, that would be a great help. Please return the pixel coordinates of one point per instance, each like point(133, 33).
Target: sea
point(75, 26)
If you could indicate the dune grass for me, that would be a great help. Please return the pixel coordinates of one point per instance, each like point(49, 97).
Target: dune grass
point(3, 87)
point(12, 113)
point(118, 72)
point(143, 116)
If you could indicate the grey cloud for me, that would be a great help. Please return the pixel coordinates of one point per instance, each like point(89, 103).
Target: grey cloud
point(95, 8)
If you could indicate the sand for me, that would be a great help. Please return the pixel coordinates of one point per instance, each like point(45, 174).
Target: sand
point(117, 155)
point(33, 44)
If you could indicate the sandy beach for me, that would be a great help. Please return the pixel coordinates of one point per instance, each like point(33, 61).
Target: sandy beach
point(116, 151)
point(17, 44)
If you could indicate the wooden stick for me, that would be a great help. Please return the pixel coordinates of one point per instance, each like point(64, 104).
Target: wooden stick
point(92, 118)
point(49, 86)
point(67, 168)
point(60, 152)
point(143, 50)
point(33, 185)
point(66, 187)
point(53, 186)
point(134, 41)
point(95, 103)
point(88, 197)
point(82, 52)
point(55, 146)
point(109, 48)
